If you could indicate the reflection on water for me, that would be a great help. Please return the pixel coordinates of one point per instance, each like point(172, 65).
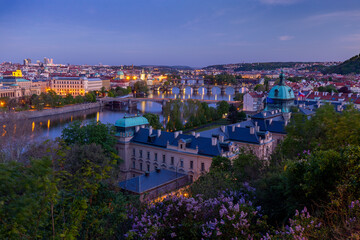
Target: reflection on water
point(55, 124)
point(188, 93)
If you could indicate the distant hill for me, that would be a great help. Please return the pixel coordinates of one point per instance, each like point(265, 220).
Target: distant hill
point(257, 66)
point(349, 66)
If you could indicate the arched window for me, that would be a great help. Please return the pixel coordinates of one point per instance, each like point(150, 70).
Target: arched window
point(276, 92)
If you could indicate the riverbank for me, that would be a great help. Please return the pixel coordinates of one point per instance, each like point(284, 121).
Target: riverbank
point(50, 112)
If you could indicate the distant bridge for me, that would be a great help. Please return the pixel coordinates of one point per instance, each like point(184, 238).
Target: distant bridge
point(195, 87)
point(132, 102)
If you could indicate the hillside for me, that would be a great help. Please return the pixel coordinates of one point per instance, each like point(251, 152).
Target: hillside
point(349, 66)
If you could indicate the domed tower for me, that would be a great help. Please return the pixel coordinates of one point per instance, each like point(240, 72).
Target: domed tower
point(280, 97)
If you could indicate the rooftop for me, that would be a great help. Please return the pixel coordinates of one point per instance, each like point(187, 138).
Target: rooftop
point(143, 183)
point(131, 121)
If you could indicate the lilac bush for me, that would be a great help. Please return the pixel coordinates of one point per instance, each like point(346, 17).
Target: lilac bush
point(229, 216)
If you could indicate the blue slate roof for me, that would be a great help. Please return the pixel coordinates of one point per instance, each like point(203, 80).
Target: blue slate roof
point(274, 126)
point(143, 183)
point(242, 135)
point(267, 114)
point(203, 144)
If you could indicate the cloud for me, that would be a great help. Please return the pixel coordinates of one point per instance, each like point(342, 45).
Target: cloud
point(279, 2)
point(335, 15)
point(286, 38)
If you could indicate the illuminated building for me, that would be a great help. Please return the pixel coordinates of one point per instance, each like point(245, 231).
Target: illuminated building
point(14, 86)
point(75, 85)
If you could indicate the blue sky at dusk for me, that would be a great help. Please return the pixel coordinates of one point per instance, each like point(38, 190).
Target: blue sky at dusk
point(179, 32)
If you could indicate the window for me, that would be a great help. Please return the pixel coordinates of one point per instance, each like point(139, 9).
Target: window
point(148, 155)
point(191, 164)
point(164, 160)
point(140, 166)
point(172, 160)
point(133, 152)
point(140, 152)
point(155, 156)
point(202, 166)
point(181, 163)
point(148, 167)
point(133, 164)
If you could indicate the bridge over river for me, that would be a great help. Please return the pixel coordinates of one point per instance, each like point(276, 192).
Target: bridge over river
point(131, 102)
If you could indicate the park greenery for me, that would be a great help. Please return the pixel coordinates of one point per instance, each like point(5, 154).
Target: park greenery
point(308, 189)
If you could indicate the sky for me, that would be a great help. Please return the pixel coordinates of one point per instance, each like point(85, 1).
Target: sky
point(194, 33)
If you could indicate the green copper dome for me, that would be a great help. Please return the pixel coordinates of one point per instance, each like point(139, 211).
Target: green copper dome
point(126, 122)
point(281, 91)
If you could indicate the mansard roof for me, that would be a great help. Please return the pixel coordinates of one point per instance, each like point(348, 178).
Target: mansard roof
point(203, 144)
point(154, 179)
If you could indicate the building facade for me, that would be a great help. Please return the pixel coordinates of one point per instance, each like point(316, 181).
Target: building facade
point(75, 85)
point(254, 101)
point(144, 149)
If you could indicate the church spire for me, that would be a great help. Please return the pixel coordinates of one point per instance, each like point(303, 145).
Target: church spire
point(282, 78)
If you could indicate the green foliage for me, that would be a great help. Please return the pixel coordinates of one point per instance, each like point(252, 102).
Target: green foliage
point(239, 97)
point(220, 163)
point(26, 195)
point(259, 88)
point(153, 119)
point(328, 88)
point(222, 107)
point(140, 88)
point(236, 116)
point(93, 132)
point(349, 66)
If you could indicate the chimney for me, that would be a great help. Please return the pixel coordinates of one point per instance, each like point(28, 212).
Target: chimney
point(213, 141)
point(176, 134)
point(180, 132)
point(222, 128)
point(238, 125)
point(197, 135)
point(158, 132)
point(150, 130)
point(193, 133)
point(257, 128)
point(137, 128)
point(256, 123)
point(270, 121)
point(221, 138)
point(286, 123)
point(252, 130)
point(233, 128)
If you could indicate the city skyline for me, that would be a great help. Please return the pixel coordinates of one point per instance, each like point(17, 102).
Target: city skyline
point(189, 33)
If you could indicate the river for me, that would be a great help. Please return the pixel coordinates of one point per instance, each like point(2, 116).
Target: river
point(51, 127)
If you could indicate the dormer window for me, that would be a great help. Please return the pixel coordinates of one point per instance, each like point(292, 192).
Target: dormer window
point(276, 92)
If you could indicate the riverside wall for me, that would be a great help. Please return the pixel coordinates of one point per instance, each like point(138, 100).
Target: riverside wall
point(51, 112)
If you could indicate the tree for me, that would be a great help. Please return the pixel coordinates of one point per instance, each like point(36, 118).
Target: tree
point(236, 116)
point(140, 87)
point(154, 120)
point(239, 97)
point(69, 99)
point(259, 88)
point(222, 107)
point(90, 97)
point(93, 132)
point(220, 163)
